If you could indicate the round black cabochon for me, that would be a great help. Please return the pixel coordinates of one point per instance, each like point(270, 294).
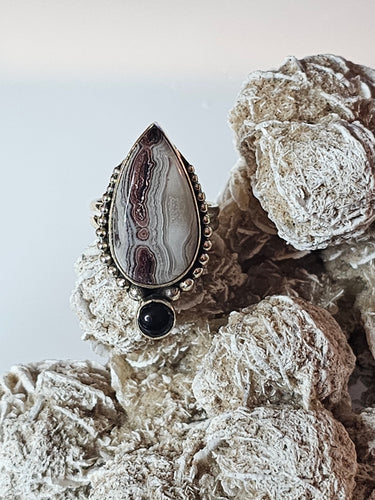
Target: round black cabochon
point(156, 318)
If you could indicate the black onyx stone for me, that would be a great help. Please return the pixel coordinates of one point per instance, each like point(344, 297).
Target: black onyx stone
point(156, 318)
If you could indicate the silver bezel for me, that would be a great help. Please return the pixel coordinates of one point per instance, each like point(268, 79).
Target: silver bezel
point(161, 301)
point(104, 232)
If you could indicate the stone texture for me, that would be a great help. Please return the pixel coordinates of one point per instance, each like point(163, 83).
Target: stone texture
point(281, 349)
point(154, 222)
point(306, 131)
point(56, 419)
point(352, 265)
point(316, 181)
point(361, 428)
point(146, 473)
point(270, 453)
point(108, 318)
point(162, 444)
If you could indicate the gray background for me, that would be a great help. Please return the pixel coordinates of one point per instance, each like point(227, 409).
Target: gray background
point(81, 79)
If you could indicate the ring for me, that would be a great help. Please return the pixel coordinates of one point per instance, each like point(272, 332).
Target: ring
point(153, 227)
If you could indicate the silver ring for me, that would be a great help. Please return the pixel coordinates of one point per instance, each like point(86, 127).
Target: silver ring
point(154, 227)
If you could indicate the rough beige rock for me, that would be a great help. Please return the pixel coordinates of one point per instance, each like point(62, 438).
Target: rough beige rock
point(315, 181)
point(306, 133)
point(280, 350)
point(305, 90)
point(271, 452)
point(352, 266)
point(365, 483)
point(158, 395)
point(243, 224)
point(361, 430)
point(273, 267)
point(238, 455)
point(108, 315)
point(56, 419)
point(145, 474)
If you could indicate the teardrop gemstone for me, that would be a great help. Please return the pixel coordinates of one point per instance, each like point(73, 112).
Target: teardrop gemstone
point(154, 224)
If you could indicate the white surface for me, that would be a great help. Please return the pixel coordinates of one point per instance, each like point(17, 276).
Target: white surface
point(81, 79)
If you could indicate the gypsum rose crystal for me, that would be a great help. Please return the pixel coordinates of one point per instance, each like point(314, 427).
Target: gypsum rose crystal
point(154, 219)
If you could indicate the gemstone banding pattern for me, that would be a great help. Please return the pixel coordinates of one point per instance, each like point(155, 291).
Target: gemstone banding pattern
point(155, 230)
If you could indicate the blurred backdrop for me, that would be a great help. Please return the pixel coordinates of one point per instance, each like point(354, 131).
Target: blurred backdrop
point(81, 79)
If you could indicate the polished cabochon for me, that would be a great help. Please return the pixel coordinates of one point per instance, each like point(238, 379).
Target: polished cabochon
point(155, 229)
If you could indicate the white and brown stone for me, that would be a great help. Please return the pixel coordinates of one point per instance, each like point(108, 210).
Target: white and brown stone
point(154, 223)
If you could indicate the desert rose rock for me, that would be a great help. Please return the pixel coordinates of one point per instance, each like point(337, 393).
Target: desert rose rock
point(248, 396)
point(309, 128)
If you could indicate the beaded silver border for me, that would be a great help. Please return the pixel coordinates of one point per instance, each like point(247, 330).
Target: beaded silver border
point(101, 221)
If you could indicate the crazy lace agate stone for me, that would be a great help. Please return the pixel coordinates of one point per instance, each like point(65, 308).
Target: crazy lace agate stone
point(155, 225)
